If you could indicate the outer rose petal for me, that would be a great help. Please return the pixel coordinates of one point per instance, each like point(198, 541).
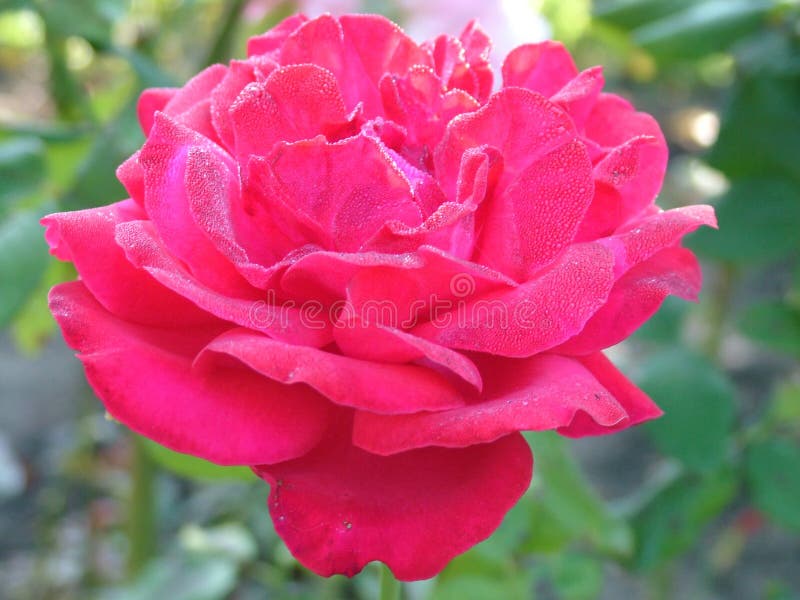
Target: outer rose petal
point(228, 415)
point(371, 341)
point(530, 318)
point(339, 507)
point(635, 402)
point(145, 250)
point(273, 39)
point(531, 394)
point(613, 122)
point(86, 238)
point(367, 385)
point(636, 297)
point(150, 102)
point(164, 161)
point(651, 234)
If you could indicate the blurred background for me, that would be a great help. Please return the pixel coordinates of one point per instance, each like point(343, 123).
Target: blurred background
point(702, 504)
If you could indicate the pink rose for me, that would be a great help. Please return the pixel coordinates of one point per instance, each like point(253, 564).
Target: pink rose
point(349, 264)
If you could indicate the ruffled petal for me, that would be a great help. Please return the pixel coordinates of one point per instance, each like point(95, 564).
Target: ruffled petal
point(339, 507)
point(635, 297)
point(523, 125)
point(545, 67)
point(529, 318)
point(371, 341)
point(366, 385)
point(86, 238)
point(637, 405)
point(348, 189)
point(654, 233)
point(531, 394)
point(144, 376)
point(295, 103)
point(270, 43)
point(164, 161)
point(263, 313)
point(358, 50)
point(538, 215)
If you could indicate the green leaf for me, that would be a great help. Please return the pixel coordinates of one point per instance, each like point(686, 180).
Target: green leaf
point(774, 324)
point(673, 520)
point(23, 260)
point(570, 502)
point(22, 169)
point(701, 28)
point(192, 467)
point(630, 14)
point(773, 478)
point(759, 136)
point(758, 222)
point(698, 402)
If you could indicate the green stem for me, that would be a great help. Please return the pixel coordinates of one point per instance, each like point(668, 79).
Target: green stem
point(391, 589)
point(141, 510)
point(718, 310)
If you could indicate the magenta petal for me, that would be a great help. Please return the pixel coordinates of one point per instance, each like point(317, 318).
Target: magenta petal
point(637, 405)
point(635, 297)
point(523, 125)
point(271, 41)
point(367, 385)
point(150, 102)
point(529, 224)
point(653, 233)
point(144, 376)
point(371, 341)
point(86, 238)
point(348, 189)
point(545, 67)
point(532, 394)
point(358, 50)
point(613, 122)
point(163, 159)
point(283, 322)
point(295, 103)
point(339, 507)
point(579, 95)
point(529, 318)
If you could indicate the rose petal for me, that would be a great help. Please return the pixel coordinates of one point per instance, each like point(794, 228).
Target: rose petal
point(545, 67)
point(151, 101)
point(163, 159)
point(635, 297)
point(530, 224)
point(522, 125)
point(283, 322)
point(532, 394)
point(530, 318)
point(358, 50)
point(228, 415)
point(367, 385)
point(348, 189)
point(371, 341)
point(339, 507)
point(295, 103)
point(637, 405)
point(654, 233)
point(86, 238)
point(271, 41)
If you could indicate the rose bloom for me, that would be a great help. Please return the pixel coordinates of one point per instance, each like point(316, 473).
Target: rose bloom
point(235, 307)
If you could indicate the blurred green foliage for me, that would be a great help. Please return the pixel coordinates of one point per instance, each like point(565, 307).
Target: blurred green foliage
point(729, 443)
